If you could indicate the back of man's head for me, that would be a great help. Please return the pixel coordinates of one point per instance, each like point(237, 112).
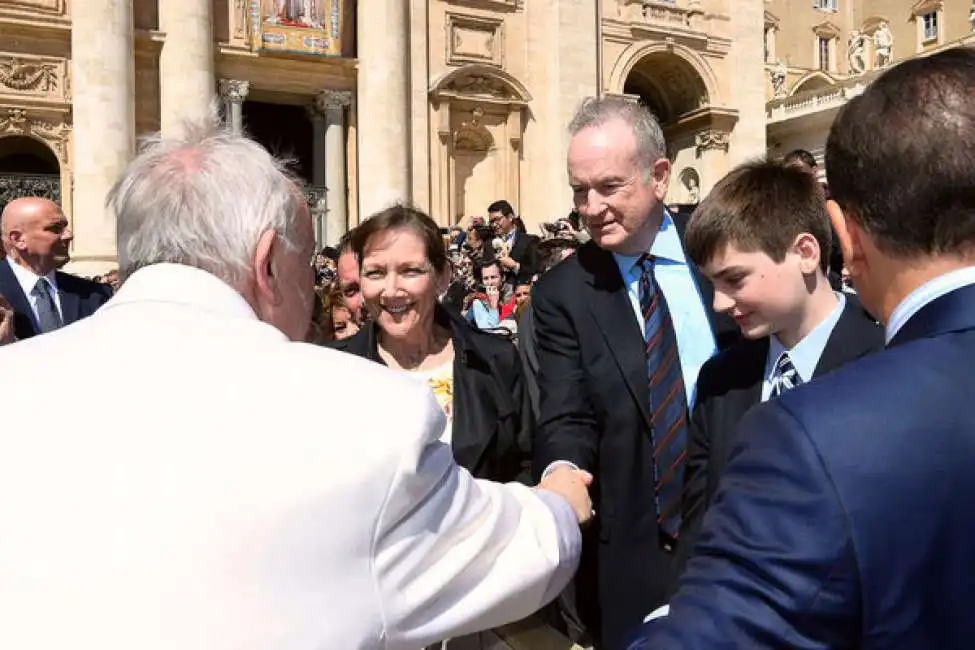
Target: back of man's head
point(901, 157)
point(759, 206)
point(203, 199)
point(801, 158)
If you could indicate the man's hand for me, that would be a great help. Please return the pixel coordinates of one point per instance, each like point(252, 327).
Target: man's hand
point(6, 322)
point(507, 262)
point(573, 486)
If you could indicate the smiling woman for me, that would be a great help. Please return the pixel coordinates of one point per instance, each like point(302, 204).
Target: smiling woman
point(476, 377)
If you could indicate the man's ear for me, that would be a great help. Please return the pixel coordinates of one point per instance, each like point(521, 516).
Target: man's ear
point(660, 177)
point(849, 234)
point(265, 280)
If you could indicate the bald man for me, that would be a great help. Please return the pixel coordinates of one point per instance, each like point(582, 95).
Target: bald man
point(36, 238)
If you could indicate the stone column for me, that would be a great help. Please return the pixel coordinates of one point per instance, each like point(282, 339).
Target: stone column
point(318, 170)
point(333, 103)
point(103, 78)
point(233, 92)
point(383, 117)
point(185, 62)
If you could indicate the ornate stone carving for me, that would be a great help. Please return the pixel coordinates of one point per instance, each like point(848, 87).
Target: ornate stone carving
point(777, 75)
point(883, 46)
point(16, 74)
point(55, 135)
point(333, 99)
point(856, 48)
point(481, 85)
point(691, 181)
point(234, 90)
point(473, 136)
point(473, 39)
point(711, 139)
point(666, 14)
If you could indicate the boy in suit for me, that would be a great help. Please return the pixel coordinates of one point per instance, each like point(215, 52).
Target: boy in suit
point(761, 237)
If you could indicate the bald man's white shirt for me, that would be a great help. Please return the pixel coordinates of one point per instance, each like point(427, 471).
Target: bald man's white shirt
point(240, 492)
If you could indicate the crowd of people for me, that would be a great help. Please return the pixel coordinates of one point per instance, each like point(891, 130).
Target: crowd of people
point(698, 431)
point(493, 262)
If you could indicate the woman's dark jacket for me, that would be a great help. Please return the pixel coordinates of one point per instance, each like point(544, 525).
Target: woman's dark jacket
point(493, 423)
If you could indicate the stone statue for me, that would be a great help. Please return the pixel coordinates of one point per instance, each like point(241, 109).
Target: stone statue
point(693, 189)
point(883, 46)
point(856, 47)
point(971, 17)
point(778, 76)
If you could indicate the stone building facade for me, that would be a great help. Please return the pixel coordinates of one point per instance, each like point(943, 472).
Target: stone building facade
point(821, 53)
point(449, 104)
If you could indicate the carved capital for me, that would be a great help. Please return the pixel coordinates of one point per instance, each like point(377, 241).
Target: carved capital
point(55, 135)
point(712, 139)
point(234, 90)
point(333, 99)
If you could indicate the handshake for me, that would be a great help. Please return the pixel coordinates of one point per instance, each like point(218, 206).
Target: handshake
point(573, 486)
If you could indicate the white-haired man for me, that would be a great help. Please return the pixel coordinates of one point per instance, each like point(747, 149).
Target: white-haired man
point(225, 502)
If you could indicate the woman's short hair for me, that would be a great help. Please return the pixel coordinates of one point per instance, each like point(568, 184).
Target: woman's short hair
point(402, 217)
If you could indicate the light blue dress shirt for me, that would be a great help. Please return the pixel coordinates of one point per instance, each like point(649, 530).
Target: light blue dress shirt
point(695, 338)
point(927, 292)
point(806, 353)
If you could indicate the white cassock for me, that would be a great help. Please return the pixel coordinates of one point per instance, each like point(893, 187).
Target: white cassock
point(176, 475)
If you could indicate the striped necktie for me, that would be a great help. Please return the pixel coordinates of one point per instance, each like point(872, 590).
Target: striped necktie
point(48, 317)
point(786, 376)
point(668, 402)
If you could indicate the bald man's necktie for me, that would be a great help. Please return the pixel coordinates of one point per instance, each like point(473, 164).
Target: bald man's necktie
point(668, 402)
point(48, 316)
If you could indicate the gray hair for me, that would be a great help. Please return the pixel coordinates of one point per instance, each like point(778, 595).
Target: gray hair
point(596, 111)
point(203, 199)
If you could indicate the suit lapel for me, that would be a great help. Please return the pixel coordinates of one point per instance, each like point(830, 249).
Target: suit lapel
point(11, 290)
point(952, 312)
point(611, 308)
point(70, 302)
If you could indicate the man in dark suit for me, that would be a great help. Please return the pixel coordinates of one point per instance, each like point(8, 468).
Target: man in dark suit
point(36, 239)
point(846, 514)
point(521, 262)
point(623, 327)
point(760, 236)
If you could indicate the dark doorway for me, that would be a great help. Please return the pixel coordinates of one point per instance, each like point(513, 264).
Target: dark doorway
point(28, 168)
point(23, 155)
point(285, 131)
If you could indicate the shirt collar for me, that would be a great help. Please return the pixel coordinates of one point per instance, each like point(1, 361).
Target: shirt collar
point(926, 293)
point(28, 279)
point(806, 353)
point(666, 247)
point(182, 285)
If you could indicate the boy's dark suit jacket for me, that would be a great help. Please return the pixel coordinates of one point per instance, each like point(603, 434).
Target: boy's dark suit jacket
point(729, 385)
point(80, 298)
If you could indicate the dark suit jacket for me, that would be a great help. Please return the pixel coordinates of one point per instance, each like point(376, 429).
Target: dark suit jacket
point(595, 413)
point(528, 351)
point(525, 252)
point(493, 422)
point(846, 515)
point(728, 386)
point(80, 298)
